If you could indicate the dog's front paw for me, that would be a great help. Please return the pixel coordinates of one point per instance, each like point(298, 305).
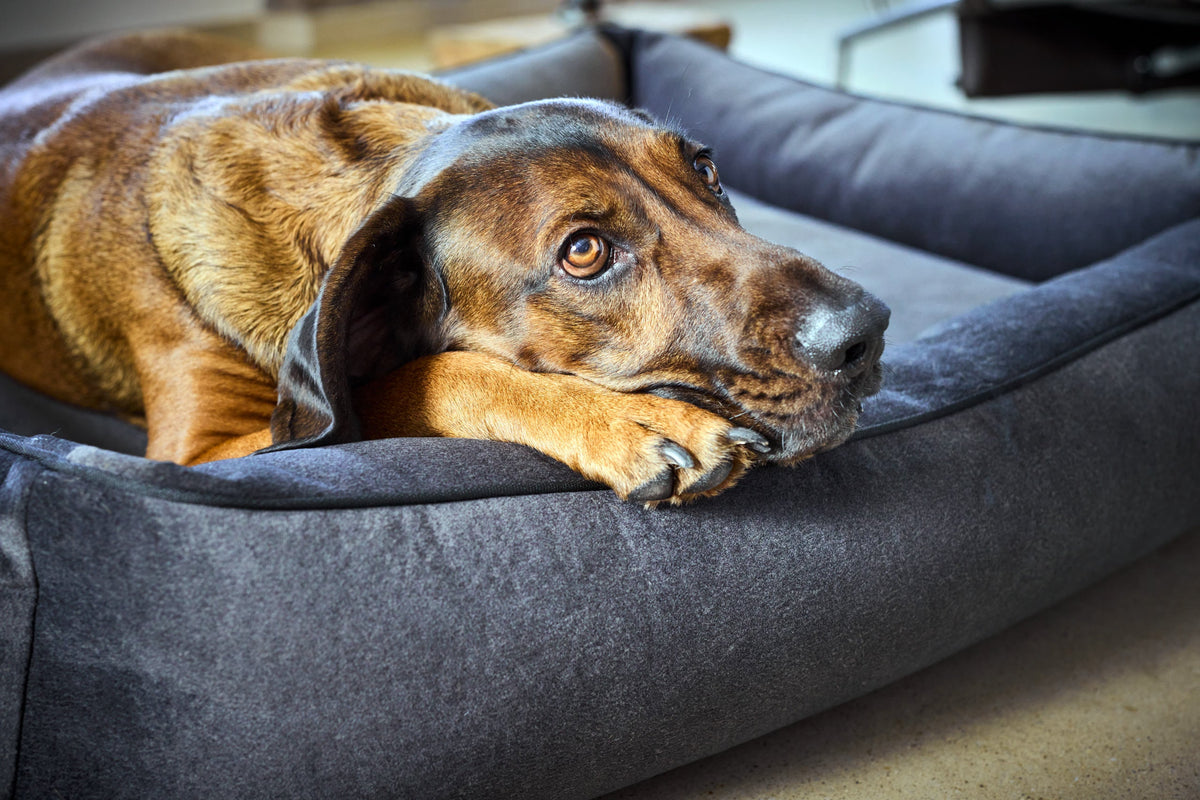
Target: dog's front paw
point(654, 449)
point(649, 449)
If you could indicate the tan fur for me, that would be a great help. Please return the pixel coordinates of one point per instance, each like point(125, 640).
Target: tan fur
point(608, 436)
point(161, 233)
point(178, 224)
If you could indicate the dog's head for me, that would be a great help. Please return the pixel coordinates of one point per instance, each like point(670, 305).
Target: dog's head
point(580, 237)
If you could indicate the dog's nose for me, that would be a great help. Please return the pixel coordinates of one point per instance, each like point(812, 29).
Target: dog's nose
point(844, 335)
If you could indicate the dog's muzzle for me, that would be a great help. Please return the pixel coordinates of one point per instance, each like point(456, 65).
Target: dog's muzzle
point(840, 337)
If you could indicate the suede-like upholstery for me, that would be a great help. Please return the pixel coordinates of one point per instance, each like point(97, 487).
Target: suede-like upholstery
point(450, 618)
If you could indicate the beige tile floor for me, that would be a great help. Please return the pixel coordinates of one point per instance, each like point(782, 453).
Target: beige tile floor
point(1096, 699)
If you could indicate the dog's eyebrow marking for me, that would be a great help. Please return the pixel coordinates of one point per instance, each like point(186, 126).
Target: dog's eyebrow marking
point(688, 151)
point(627, 222)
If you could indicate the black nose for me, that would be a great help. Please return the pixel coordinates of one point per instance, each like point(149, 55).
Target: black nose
point(844, 335)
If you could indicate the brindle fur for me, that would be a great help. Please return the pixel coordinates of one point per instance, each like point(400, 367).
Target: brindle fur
point(163, 231)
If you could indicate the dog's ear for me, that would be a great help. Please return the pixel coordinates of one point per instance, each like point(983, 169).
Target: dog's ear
point(360, 326)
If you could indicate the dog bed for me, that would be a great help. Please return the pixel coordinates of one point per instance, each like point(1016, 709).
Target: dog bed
point(451, 618)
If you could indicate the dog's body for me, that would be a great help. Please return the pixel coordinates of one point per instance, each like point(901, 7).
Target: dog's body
point(561, 274)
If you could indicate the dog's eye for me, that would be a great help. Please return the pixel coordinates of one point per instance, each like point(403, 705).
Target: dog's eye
point(708, 171)
point(585, 255)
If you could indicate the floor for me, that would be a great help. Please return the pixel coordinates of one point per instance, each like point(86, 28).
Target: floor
point(1096, 699)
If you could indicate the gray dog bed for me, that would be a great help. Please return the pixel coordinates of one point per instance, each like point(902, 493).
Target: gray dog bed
point(450, 618)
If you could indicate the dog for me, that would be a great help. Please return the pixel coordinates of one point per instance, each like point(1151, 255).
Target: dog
point(242, 254)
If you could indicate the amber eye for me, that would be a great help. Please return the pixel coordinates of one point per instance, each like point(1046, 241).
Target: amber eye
point(708, 171)
point(585, 255)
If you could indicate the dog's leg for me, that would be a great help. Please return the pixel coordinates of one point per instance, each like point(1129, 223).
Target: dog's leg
point(235, 448)
point(204, 402)
point(646, 448)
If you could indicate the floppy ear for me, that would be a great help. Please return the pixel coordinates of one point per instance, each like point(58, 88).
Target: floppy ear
point(372, 300)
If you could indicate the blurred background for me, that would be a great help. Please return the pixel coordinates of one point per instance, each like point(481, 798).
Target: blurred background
point(1122, 66)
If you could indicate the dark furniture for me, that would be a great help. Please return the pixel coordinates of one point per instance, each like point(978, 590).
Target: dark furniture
point(1011, 47)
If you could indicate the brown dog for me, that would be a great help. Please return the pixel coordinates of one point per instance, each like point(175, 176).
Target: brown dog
point(236, 252)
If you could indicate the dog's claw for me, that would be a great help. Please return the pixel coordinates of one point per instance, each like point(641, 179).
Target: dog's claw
point(752, 439)
point(677, 455)
point(658, 488)
point(711, 479)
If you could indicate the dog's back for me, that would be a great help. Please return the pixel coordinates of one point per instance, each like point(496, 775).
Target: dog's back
point(57, 120)
point(101, 155)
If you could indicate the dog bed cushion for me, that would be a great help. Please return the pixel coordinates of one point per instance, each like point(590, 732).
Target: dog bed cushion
point(452, 618)
point(930, 288)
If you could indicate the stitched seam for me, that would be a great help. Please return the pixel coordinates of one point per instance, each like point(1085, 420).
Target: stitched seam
point(56, 463)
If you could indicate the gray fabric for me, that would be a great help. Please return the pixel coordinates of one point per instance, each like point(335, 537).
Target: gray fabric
point(1028, 203)
point(561, 645)
point(922, 289)
point(18, 595)
point(1025, 335)
point(446, 618)
point(24, 411)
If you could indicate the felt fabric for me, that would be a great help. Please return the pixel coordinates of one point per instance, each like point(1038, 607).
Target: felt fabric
point(1005, 343)
point(586, 65)
point(18, 598)
point(27, 412)
point(449, 618)
point(560, 645)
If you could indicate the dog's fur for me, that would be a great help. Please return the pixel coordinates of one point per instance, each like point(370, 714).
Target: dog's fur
point(234, 252)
